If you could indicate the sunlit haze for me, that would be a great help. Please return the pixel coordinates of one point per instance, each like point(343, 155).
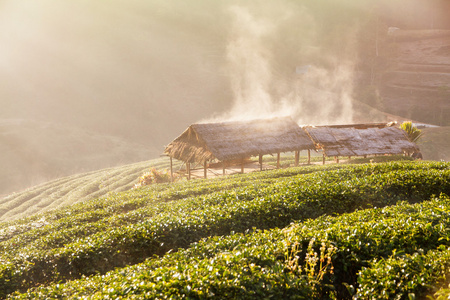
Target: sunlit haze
point(78, 75)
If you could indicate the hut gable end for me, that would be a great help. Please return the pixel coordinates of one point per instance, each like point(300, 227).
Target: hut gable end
point(189, 147)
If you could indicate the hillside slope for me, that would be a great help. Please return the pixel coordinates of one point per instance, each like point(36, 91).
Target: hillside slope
point(435, 143)
point(82, 187)
point(73, 189)
point(35, 152)
point(233, 237)
point(417, 83)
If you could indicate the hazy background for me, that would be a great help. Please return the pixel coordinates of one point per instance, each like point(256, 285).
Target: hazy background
point(89, 84)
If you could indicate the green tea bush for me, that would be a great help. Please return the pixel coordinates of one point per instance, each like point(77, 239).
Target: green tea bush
point(442, 294)
point(127, 228)
point(378, 233)
point(401, 250)
point(403, 276)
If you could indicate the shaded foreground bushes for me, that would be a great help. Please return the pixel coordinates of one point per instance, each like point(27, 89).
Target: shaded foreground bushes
point(397, 252)
point(117, 241)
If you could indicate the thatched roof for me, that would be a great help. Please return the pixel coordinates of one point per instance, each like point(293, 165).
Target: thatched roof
point(238, 140)
point(350, 141)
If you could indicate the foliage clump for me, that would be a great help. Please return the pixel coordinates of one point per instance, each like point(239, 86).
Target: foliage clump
point(414, 134)
point(155, 176)
point(305, 233)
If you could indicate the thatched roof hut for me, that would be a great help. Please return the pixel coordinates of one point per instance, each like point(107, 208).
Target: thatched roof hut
point(228, 141)
point(360, 140)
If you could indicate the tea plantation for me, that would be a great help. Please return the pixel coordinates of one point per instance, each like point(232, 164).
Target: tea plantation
point(368, 231)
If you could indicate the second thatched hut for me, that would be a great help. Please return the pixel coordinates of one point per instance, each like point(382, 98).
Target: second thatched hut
point(360, 140)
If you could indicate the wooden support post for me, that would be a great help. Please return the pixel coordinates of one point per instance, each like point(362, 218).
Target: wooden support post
point(171, 170)
point(205, 169)
point(188, 169)
point(349, 157)
point(323, 159)
point(223, 167)
point(242, 166)
point(309, 156)
point(260, 162)
point(297, 158)
point(336, 158)
point(278, 160)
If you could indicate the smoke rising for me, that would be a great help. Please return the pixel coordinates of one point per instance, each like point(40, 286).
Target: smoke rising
point(249, 59)
point(278, 65)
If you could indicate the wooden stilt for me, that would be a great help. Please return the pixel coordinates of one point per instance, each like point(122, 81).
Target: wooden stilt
point(337, 159)
point(205, 169)
point(309, 156)
point(242, 167)
point(278, 160)
point(223, 167)
point(323, 159)
point(171, 170)
point(188, 167)
point(260, 162)
point(297, 158)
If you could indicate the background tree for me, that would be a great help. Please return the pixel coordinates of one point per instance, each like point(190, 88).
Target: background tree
point(413, 132)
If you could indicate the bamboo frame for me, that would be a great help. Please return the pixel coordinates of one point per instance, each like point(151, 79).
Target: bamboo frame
point(278, 160)
point(171, 169)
